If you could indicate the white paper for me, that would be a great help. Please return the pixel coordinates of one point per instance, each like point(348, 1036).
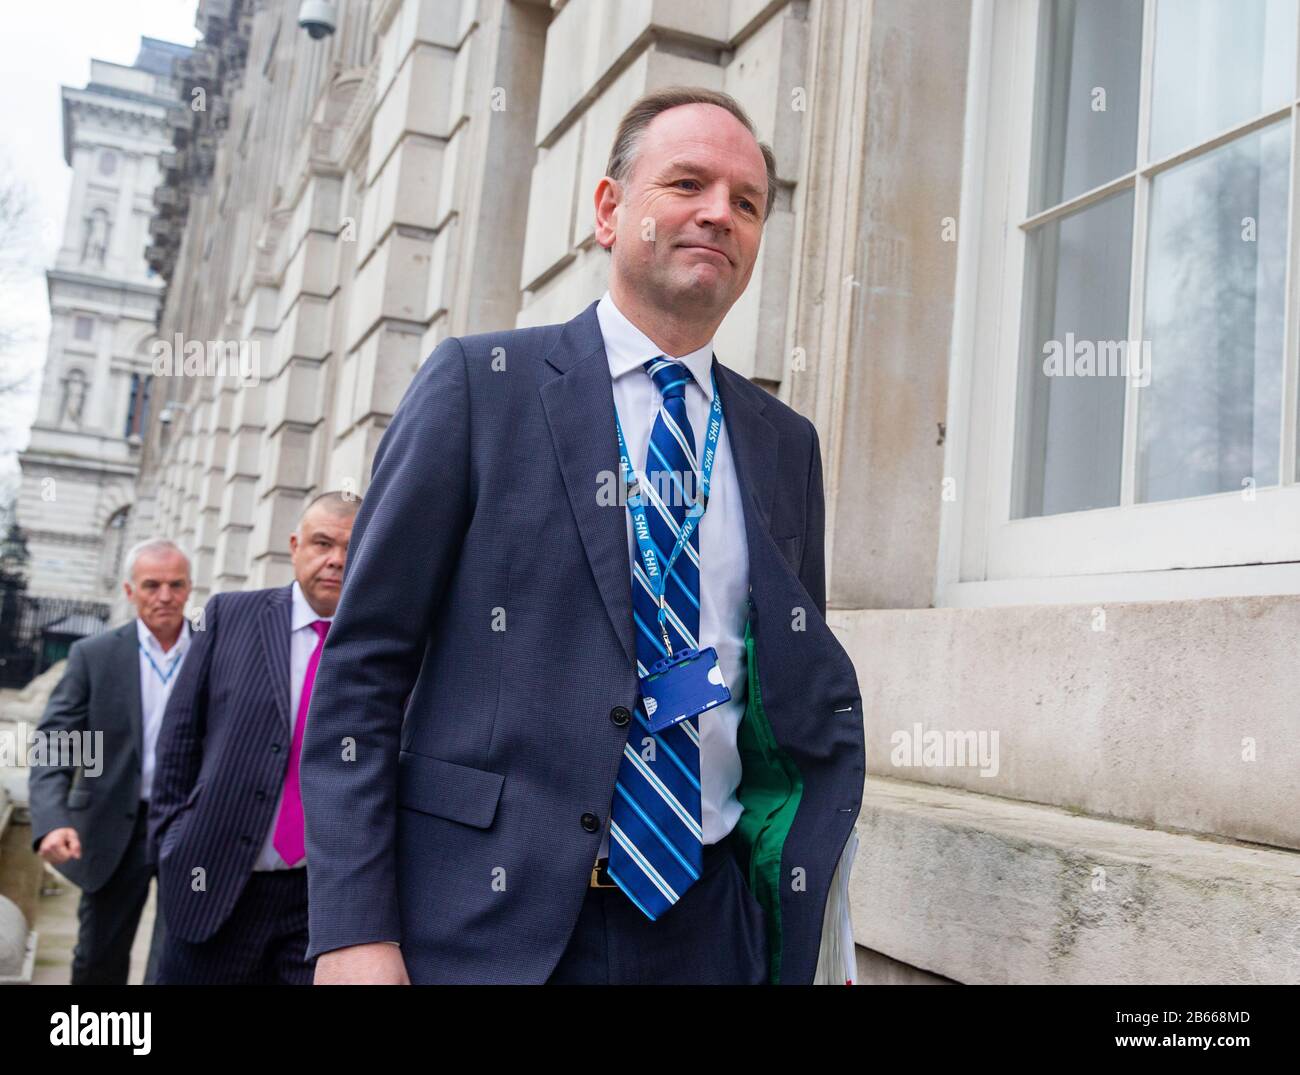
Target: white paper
point(837, 961)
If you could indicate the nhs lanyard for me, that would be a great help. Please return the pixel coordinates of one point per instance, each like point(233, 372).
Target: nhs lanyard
point(641, 525)
point(163, 679)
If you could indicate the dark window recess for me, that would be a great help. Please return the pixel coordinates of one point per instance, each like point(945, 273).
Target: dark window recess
point(137, 411)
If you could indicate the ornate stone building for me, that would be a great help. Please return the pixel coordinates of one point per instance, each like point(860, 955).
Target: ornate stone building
point(1072, 625)
point(79, 471)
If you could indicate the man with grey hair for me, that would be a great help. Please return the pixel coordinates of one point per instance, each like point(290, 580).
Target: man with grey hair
point(91, 824)
point(227, 806)
point(584, 547)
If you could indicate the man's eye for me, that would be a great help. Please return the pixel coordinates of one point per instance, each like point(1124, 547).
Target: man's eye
point(749, 206)
point(687, 181)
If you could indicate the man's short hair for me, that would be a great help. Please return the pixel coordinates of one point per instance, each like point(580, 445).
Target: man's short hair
point(335, 502)
point(632, 128)
point(153, 544)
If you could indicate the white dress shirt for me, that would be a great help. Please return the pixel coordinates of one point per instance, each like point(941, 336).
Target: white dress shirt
point(302, 643)
point(724, 554)
point(155, 666)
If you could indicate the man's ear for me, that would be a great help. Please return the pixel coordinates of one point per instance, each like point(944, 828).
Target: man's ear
point(609, 194)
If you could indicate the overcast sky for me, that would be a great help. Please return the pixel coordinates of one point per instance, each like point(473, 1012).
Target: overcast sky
point(48, 44)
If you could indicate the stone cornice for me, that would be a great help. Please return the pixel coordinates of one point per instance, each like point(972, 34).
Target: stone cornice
point(63, 537)
point(64, 276)
point(148, 118)
point(87, 467)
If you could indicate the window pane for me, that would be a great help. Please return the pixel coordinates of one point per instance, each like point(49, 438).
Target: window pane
point(1090, 55)
point(1216, 267)
point(1071, 428)
point(1218, 64)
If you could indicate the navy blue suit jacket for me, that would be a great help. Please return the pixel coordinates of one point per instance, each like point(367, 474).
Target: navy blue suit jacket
point(221, 760)
point(487, 581)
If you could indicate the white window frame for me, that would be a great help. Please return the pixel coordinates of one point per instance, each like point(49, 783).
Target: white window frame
point(1217, 545)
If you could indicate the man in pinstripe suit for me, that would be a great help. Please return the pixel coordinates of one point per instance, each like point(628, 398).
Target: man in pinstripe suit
point(225, 822)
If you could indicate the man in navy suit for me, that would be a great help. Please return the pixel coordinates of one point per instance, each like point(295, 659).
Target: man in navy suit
point(225, 821)
point(575, 535)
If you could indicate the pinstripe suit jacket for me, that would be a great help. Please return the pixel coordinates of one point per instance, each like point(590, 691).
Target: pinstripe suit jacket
point(487, 580)
point(222, 756)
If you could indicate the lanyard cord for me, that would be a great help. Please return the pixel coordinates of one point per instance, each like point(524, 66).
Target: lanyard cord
point(176, 663)
point(640, 524)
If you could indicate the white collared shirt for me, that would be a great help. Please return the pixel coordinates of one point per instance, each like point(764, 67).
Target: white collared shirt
point(155, 667)
point(724, 553)
point(302, 643)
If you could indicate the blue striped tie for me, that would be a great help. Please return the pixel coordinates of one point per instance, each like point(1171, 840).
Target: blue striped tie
point(656, 841)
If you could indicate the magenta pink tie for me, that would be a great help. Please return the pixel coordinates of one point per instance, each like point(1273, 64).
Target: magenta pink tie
point(289, 840)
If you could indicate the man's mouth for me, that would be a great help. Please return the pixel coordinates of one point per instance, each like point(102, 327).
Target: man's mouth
point(709, 249)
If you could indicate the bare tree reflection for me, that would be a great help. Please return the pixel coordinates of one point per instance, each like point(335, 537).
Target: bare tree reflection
point(1214, 314)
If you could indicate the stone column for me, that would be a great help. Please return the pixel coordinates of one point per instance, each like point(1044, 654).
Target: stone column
point(872, 305)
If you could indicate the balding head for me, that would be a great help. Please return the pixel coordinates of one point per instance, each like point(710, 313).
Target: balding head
point(318, 548)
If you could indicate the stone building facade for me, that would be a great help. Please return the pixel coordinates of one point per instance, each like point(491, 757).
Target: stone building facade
point(1080, 737)
point(79, 470)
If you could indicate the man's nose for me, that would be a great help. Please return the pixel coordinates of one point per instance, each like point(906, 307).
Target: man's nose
point(716, 206)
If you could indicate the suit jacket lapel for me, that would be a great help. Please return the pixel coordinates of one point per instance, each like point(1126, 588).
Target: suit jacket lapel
point(274, 625)
point(128, 661)
point(579, 407)
point(753, 442)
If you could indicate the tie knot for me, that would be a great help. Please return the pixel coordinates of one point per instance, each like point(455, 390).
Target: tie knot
point(669, 375)
point(321, 627)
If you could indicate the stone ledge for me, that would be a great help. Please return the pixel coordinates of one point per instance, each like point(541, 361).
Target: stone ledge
point(1177, 715)
point(986, 891)
point(877, 969)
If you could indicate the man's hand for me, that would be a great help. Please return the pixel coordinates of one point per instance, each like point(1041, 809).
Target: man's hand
point(362, 964)
point(59, 845)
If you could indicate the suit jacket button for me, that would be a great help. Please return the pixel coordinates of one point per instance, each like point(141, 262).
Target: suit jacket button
point(261, 795)
point(245, 839)
point(275, 748)
point(620, 715)
point(590, 822)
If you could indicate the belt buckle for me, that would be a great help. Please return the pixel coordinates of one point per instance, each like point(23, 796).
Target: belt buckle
point(598, 872)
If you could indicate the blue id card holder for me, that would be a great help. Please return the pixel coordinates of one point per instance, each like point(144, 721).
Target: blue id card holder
point(683, 686)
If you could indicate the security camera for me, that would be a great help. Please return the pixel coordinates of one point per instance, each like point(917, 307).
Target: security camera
point(165, 416)
point(318, 17)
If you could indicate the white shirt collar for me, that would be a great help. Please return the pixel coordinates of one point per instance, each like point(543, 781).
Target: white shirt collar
point(149, 639)
point(628, 348)
point(303, 614)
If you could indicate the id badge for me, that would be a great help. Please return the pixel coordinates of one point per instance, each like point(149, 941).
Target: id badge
point(683, 686)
